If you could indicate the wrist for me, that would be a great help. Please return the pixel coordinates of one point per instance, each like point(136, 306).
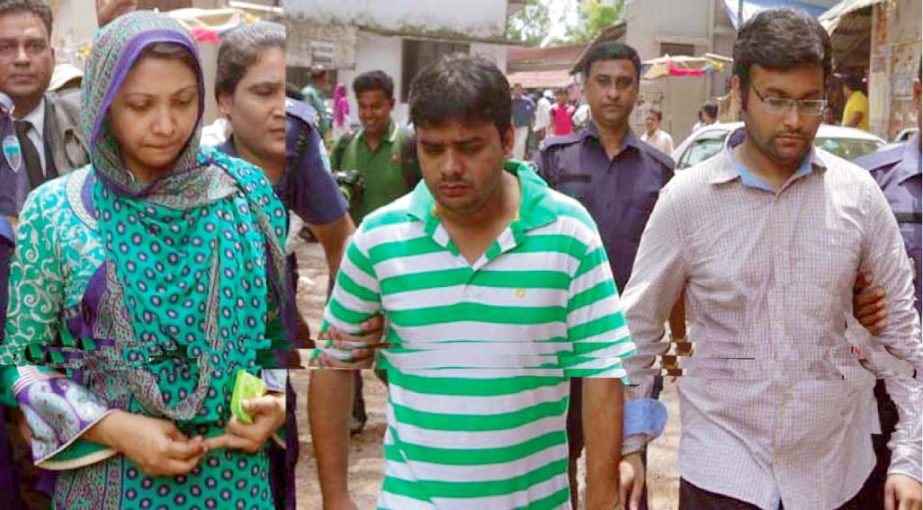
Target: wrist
point(105, 431)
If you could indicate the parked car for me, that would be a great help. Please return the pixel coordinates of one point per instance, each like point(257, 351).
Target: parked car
point(905, 134)
point(848, 143)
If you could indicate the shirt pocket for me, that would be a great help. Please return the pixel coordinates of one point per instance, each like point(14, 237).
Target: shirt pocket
point(576, 185)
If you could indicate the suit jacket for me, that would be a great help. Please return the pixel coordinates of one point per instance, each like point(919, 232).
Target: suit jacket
point(65, 145)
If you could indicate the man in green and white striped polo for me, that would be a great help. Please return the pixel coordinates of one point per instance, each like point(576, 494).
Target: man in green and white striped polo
point(496, 290)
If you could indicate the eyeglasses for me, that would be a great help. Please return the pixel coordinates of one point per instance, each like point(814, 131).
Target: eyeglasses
point(813, 107)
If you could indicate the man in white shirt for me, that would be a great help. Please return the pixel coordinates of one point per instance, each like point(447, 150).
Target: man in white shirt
point(654, 136)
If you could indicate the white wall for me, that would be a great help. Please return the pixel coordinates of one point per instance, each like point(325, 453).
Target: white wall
point(73, 25)
point(477, 18)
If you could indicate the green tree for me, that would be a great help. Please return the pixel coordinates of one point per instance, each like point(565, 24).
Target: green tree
point(530, 24)
point(595, 16)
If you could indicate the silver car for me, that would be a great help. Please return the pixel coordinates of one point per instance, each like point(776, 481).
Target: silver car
point(847, 143)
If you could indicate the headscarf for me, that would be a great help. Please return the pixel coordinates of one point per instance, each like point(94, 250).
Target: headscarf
point(340, 105)
point(192, 257)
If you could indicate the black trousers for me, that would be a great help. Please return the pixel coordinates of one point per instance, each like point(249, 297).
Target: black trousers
point(695, 498)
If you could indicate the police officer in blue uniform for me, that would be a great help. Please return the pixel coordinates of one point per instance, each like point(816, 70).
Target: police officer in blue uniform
point(897, 171)
point(617, 177)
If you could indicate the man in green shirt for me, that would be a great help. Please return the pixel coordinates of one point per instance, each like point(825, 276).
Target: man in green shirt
point(375, 166)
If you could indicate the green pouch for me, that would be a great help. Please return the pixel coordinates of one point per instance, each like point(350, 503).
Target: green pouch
point(246, 386)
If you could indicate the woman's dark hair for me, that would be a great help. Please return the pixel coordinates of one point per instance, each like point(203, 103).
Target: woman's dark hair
point(780, 39)
point(656, 113)
point(611, 51)
point(471, 90)
point(170, 51)
point(374, 80)
point(36, 7)
point(240, 48)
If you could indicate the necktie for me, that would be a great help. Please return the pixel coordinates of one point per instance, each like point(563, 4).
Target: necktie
point(29, 154)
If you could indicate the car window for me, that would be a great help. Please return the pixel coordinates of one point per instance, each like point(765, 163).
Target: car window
point(702, 148)
point(847, 148)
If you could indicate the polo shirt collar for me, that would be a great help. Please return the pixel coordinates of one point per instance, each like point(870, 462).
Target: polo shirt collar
point(535, 208)
point(389, 137)
point(731, 169)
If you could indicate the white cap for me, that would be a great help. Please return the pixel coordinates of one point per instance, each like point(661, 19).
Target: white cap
point(63, 73)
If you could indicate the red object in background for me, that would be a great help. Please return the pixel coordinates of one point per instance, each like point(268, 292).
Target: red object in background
point(205, 35)
point(678, 71)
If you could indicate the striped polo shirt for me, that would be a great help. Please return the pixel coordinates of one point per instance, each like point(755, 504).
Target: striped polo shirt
point(481, 353)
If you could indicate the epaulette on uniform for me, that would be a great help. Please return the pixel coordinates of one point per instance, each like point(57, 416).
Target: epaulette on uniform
point(301, 110)
point(557, 141)
point(882, 158)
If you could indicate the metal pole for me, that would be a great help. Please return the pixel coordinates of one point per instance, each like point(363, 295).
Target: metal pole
point(740, 13)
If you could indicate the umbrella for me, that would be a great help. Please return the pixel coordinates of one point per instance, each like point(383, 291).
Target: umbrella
point(682, 65)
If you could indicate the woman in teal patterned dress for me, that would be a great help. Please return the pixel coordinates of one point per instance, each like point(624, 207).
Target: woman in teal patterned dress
point(141, 285)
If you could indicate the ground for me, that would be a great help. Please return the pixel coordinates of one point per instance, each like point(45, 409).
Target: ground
point(366, 459)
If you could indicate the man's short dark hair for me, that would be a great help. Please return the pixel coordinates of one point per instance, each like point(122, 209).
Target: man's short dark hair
point(780, 39)
point(710, 108)
point(374, 80)
point(611, 50)
point(471, 90)
point(36, 7)
point(656, 113)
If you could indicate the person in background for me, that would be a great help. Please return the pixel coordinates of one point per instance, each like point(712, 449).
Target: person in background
point(542, 120)
point(708, 114)
point(376, 166)
point(562, 114)
point(523, 109)
point(279, 135)
point(313, 94)
point(897, 170)
point(653, 135)
point(340, 113)
point(605, 166)
point(856, 111)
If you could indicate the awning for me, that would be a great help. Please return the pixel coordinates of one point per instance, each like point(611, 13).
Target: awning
point(752, 7)
point(541, 79)
point(831, 19)
point(681, 65)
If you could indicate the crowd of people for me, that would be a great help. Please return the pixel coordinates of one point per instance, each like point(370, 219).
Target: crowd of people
point(522, 309)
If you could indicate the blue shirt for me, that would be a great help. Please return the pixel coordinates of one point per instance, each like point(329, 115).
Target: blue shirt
point(307, 186)
point(619, 193)
point(897, 171)
point(523, 108)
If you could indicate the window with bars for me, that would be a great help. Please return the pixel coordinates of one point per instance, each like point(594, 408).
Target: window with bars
point(417, 54)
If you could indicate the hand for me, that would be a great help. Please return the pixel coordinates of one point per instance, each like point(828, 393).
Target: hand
point(372, 336)
point(268, 414)
point(631, 481)
point(155, 445)
point(903, 493)
point(869, 304)
point(19, 421)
